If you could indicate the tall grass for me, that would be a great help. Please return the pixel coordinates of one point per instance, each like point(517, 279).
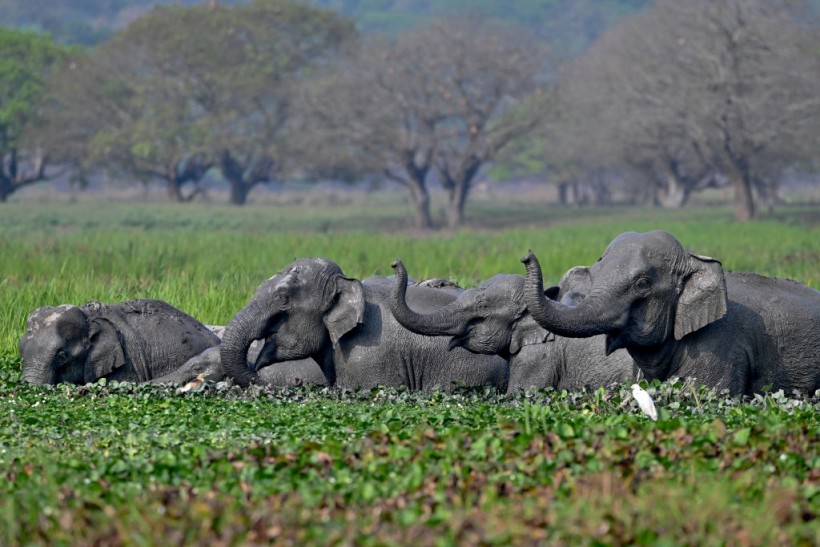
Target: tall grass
point(207, 261)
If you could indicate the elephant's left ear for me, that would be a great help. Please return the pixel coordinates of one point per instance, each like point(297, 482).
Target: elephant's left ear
point(347, 310)
point(702, 299)
point(105, 349)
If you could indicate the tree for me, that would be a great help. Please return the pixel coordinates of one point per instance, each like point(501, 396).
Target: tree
point(187, 88)
point(693, 90)
point(446, 97)
point(115, 109)
point(26, 58)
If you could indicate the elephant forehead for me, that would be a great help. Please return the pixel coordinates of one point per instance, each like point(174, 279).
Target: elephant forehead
point(306, 268)
point(58, 311)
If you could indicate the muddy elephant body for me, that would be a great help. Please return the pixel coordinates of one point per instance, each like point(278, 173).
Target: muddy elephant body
point(132, 341)
point(310, 309)
point(679, 314)
point(492, 319)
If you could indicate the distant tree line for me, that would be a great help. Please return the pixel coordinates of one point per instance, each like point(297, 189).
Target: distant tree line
point(677, 98)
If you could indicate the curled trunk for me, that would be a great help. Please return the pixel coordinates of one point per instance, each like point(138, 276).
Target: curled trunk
point(444, 321)
point(579, 321)
point(245, 327)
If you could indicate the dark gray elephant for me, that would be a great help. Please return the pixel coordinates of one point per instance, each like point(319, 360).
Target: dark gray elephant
point(311, 309)
point(208, 366)
point(678, 314)
point(492, 319)
point(132, 341)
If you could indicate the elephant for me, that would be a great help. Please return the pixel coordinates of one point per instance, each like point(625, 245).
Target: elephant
point(208, 366)
point(679, 314)
point(131, 341)
point(492, 319)
point(311, 309)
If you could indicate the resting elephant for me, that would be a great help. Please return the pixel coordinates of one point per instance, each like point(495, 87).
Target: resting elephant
point(311, 309)
point(131, 341)
point(678, 314)
point(492, 319)
point(208, 366)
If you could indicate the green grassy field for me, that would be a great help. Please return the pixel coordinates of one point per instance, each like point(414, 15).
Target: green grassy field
point(142, 465)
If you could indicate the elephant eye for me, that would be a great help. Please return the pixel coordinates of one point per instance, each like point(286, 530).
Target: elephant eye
point(643, 284)
point(61, 357)
point(282, 299)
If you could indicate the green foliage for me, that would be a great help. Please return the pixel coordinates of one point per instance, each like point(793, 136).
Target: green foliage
point(113, 462)
point(25, 59)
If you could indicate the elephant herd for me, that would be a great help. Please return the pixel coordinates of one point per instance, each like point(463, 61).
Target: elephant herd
point(646, 308)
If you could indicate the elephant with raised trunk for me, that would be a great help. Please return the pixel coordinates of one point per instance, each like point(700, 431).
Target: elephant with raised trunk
point(492, 319)
point(679, 314)
point(132, 341)
point(311, 309)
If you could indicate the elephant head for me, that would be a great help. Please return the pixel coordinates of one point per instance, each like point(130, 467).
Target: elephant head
point(65, 344)
point(644, 290)
point(299, 312)
point(490, 319)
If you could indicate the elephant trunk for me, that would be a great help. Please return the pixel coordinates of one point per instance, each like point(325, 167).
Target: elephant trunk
point(444, 321)
point(39, 373)
point(246, 326)
point(581, 321)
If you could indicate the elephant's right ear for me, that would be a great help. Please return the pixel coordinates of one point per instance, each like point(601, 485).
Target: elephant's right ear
point(105, 349)
point(576, 280)
point(702, 299)
point(347, 310)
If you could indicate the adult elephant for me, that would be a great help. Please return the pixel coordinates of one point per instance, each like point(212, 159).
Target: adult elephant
point(132, 341)
point(311, 309)
point(679, 314)
point(492, 319)
point(208, 366)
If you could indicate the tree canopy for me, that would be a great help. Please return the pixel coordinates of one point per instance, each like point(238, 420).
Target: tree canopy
point(26, 58)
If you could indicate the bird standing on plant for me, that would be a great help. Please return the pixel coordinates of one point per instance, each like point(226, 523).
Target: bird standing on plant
point(645, 402)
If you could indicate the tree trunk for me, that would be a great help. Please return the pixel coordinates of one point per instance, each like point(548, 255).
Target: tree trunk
point(455, 206)
point(744, 200)
point(233, 173)
point(673, 194)
point(563, 198)
point(421, 205)
point(172, 185)
point(239, 192)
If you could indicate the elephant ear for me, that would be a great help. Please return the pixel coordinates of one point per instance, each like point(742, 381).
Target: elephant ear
point(528, 335)
point(347, 310)
point(703, 297)
point(576, 280)
point(105, 349)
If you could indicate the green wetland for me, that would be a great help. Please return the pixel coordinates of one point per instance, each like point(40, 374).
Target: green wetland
point(116, 463)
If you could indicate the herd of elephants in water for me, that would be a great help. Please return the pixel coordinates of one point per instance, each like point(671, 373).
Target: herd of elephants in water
point(646, 309)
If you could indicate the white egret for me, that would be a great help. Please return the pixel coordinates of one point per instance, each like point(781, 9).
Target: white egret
point(645, 402)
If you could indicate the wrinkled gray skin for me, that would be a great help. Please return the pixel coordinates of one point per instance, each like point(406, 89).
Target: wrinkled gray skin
point(310, 309)
point(132, 341)
point(678, 314)
point(492, 319)
point(209, 365)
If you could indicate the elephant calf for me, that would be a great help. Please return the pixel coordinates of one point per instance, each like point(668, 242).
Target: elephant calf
point(492, 319)
point(208, 365)
point(132, 341)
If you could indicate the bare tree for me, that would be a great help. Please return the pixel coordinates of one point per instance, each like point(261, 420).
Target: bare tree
point(699, 88)
point(445, 97)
